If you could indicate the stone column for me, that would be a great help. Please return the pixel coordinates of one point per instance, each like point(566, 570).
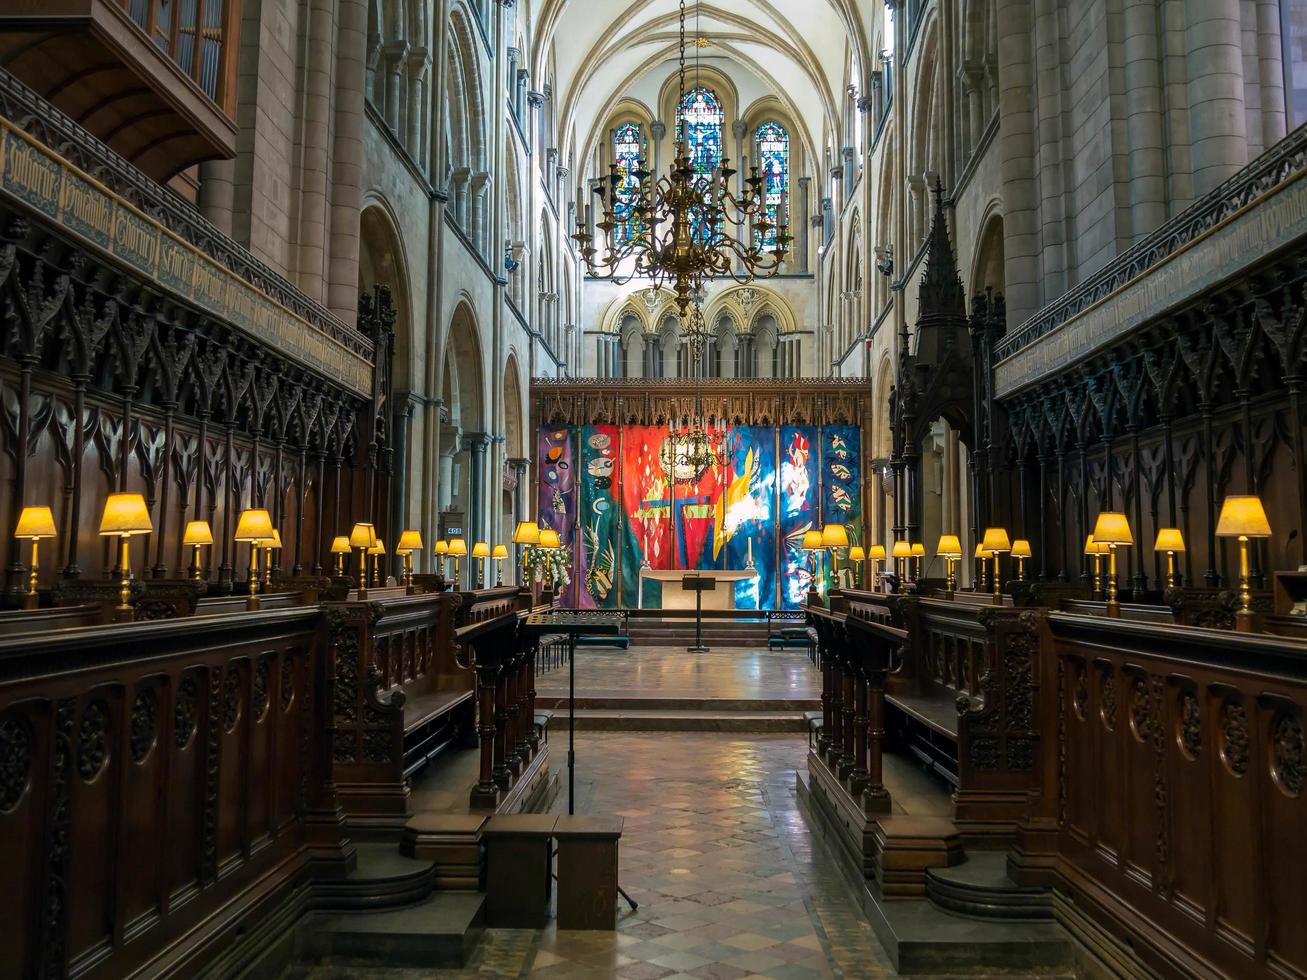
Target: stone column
point(850, 167)
point(479, 229)
point(372, 89)
point(836, 176)
point(657, 131)
point(1218, 130)
point(347, 159)
point(396, 52)
point(535, 102)
point(917, 209)
point(805, 193)
point(520, 467)
point(476, 444)
point(419, 63)
point(826, 219)
point(450, 437)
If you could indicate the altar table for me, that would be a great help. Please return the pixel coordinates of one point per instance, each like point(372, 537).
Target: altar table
point(674, 597)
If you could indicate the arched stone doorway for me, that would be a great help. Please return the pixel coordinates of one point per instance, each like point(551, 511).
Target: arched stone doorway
point(464, 442)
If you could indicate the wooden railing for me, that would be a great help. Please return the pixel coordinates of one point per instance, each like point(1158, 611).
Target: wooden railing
point(1172, 792)
point(158, 782)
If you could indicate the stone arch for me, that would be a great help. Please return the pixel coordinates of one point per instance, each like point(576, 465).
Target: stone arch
point(988, 268)
point(463, 455)
point(926, 142)
point(382, 262)
point(979, 71)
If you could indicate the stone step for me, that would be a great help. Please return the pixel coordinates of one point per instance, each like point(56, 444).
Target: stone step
point(980, 886)
point(439, 932)
point(558, 703)
point(631, 720)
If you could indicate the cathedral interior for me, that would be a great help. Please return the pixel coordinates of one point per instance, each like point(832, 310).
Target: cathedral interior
point(653, 489)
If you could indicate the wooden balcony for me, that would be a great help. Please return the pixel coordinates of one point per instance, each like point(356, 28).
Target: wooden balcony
point(154, 79)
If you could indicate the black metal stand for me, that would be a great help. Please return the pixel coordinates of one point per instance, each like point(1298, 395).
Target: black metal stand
point(700, 585)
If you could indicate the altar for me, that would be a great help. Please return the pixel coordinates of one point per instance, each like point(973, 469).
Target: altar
point(675, 597)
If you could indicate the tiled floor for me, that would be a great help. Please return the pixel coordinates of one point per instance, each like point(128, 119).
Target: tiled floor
point(671, 672)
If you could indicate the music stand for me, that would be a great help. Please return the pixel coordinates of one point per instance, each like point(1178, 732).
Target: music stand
point(698, 584)
point(572, 624)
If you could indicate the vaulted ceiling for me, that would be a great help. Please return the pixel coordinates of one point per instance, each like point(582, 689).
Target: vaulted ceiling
point(607, 50)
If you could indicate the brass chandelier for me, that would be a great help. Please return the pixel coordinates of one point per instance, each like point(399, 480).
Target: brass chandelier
point(691, 453)
point(673, 230)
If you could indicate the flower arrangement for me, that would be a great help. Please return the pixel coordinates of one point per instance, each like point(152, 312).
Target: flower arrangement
point(553, 565)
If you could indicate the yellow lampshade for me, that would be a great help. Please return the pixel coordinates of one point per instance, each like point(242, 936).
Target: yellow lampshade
point(811, 540)
point(1112, 527)
point(273, 543)
point(481, 550)
point(918, 550)
point(1169, 539)
point(409, 541)
point(1243, 517)
point(901, 549)
point(1093, 547)
point(857, 554)
point(457, 547)
point(340, 545)
point(198, 532)
point(442, 547)
point(1020, 548)
point(125, 514)
point(949, 546)
point(548, 539)
point(996, 541)
point(501, 551)
point(980, 550)
point(835, 536)
point(35, 523)
point(876, 552)
point(364, 535)
point(378, 549)
point(527, 532)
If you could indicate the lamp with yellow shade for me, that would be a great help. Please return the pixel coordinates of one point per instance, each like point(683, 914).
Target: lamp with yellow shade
point(409, 542)
point(876, 553)
point(857, 555)
point(197, 535)
point(125, 516)
point(833, 538)
point(270, 545)
point(996, 543)
point(499, 553)
point(1021, 551)
point(441, 550)
point(340, 548)
point(457, 550)
point(376, 553)
point(253, 527)
point(34, 524)
point(526, 534)
point(1112, 529)
point(549, 539)
point(980, 555)
point(481, 551)
point(918, 552)
point(901, 552)
point(1170, 540)
point(950, 549)
point(1096, 551)
point(362, 537)
point(1243, 517)
point(812, 544)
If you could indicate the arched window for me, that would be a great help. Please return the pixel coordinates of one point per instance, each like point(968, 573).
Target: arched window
point(628, 148)
point(699, 120)
point(773, 144)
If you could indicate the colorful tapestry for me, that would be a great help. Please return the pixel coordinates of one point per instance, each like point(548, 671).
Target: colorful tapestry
point(596, 565)
point(625, 498)
point(745, 526)
point(646, 511)
point(558, 485)
point(694, 507)
point(798, 510)
point(841, 484)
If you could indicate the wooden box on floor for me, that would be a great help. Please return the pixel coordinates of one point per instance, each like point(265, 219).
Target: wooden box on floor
point(587, 871)
point(518, 871)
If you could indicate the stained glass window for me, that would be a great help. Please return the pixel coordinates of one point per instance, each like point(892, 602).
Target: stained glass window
point(699, 120)
point(628, 147)
point(773, 144)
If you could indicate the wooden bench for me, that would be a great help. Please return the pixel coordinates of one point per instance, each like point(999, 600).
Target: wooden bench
point(19, 621)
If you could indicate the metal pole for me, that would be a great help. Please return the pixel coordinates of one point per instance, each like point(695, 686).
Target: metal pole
point(571, 723)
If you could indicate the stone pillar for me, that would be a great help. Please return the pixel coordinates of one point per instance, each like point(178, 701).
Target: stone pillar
point(395, 52)
point(419, 63)
point(826, 219)
point(535, 102)
point(836, 176)
point(850, 167)
point(805, 194)
point(347, 159)
point(520, 467)
point(476, 444)
point(450, 437)
point(917, 210)
point(372, 88)
point(1218, 131)
point(657, 131)
point(479, 228)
